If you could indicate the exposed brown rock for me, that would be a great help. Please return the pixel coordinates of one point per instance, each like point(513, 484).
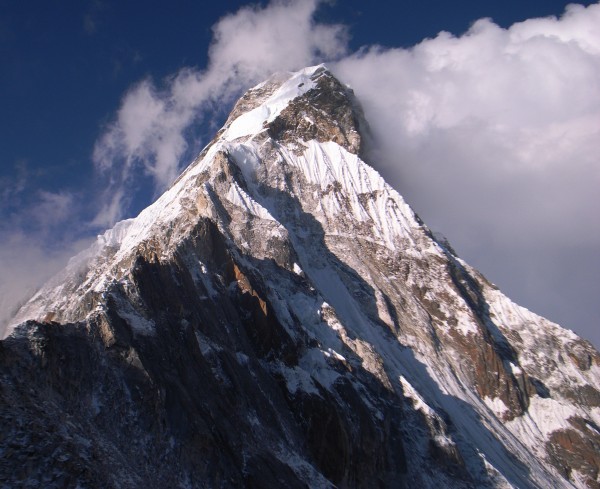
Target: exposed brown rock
point(327, 112)
point(577, 449)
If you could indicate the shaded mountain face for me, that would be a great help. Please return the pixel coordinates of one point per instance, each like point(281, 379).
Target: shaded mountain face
point(280, 317)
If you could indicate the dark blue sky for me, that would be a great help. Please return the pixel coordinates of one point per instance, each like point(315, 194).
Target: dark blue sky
point(65, 67)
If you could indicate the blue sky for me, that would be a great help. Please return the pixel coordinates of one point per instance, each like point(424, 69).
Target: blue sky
point(72, 72)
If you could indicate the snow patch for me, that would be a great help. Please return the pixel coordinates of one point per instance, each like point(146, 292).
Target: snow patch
point(138, 323)
point(115, 236)
point(546, 415)
point(246, 159)
point(327, 165)
point(314, 361)
point(496, 405)
point(593, 429)
point(417, 401)
point(238, 197)
point(515, 369)
point(297, 378)
point(302, 468)
point(331, 353)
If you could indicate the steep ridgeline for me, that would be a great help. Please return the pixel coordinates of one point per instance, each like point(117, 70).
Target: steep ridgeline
point(281, 318)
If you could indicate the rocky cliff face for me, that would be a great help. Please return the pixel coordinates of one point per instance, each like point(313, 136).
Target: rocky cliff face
point(281, 317)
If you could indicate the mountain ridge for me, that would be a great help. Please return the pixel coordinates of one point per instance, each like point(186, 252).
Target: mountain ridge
point(280, 255)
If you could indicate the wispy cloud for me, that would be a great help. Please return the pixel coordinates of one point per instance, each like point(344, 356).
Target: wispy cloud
point(13, 186)
point(26, 264)
point(92, 16)
point(26, 206)
point(149, 131)
point(40, 231)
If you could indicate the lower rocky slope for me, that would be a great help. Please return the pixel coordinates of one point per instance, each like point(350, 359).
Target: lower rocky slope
point(218, 395)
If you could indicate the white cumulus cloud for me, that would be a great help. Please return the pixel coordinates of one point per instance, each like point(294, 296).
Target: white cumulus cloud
point(494, 136)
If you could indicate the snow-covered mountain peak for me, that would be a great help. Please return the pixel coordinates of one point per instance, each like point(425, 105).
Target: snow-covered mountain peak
point(284, 270)
point(263, 103)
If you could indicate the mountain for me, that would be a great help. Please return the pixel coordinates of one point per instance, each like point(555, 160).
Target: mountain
point(281, 317)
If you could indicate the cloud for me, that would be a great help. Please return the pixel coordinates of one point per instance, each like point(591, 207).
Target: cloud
point(501, 118)
point(11, 187)
point(25, 206)
point(256, 42)
point(39, 235)
point(149, 131)
point(92, 15)
point(52, 209)
point(493, 137)
point(26, 264)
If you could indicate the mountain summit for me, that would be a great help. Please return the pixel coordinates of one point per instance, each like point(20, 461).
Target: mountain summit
point(281, 317)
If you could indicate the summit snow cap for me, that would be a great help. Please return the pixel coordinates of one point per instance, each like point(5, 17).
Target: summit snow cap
point(310, 104)
point(253, 121)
